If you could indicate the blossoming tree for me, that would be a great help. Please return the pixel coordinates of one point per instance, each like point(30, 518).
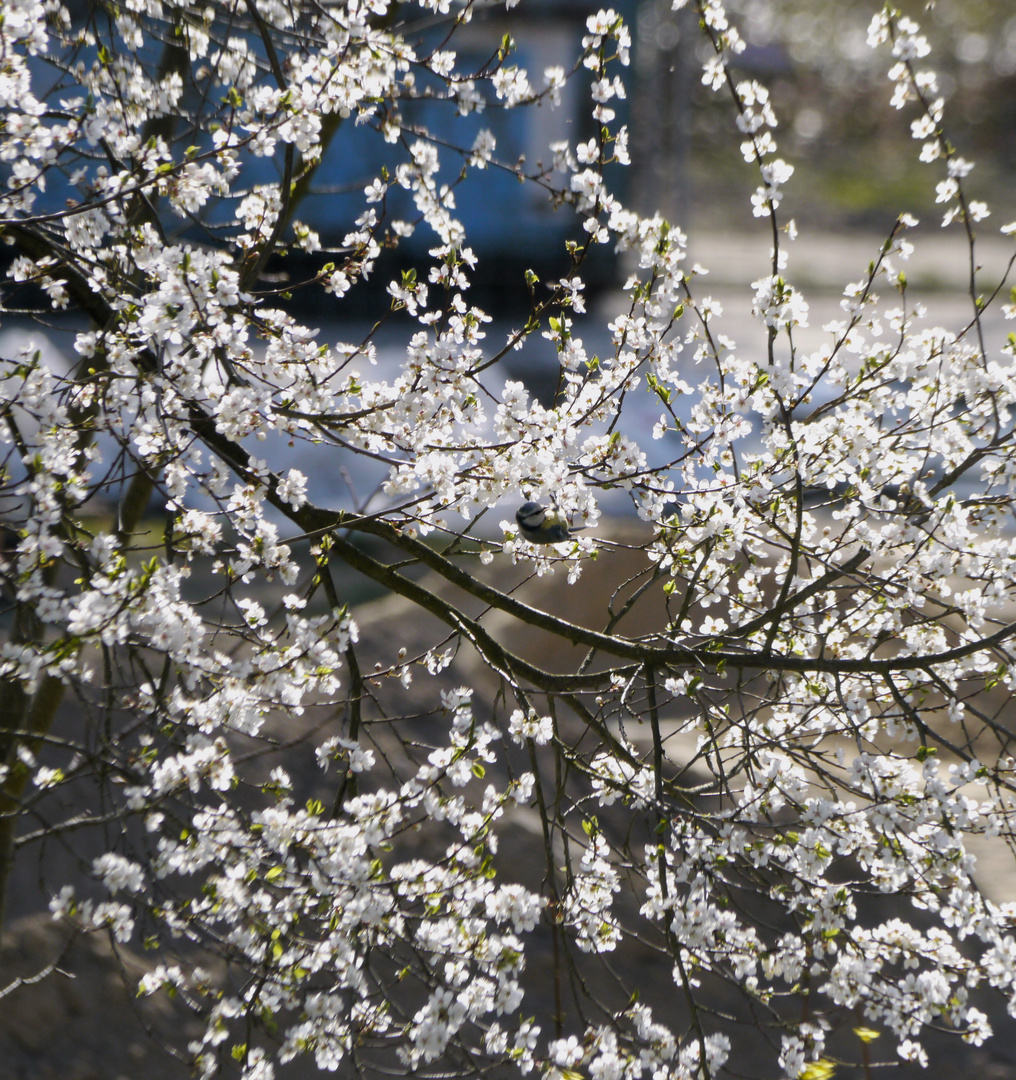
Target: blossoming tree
point(830, 537)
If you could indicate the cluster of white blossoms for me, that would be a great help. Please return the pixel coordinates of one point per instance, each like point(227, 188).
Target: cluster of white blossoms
point(772, 790)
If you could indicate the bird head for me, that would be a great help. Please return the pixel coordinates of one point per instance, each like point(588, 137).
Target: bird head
point(531, 515)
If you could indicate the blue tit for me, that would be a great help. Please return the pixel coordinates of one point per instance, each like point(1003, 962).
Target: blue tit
point(543, 524)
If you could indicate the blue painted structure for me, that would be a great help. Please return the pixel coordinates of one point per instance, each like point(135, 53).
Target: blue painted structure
point(504, 218)
point(509, 224)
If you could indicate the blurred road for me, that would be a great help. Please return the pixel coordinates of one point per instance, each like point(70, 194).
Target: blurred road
point(940, 260)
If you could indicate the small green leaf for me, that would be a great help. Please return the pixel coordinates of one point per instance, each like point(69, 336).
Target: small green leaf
point(818, 1070)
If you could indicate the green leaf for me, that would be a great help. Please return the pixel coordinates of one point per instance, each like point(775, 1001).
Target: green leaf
point(817, 1070)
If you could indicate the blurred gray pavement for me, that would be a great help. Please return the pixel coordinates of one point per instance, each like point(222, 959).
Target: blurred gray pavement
point(821, 266)
point(827, 262)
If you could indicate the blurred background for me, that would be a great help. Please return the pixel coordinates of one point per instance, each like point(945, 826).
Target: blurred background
point(856, 165)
